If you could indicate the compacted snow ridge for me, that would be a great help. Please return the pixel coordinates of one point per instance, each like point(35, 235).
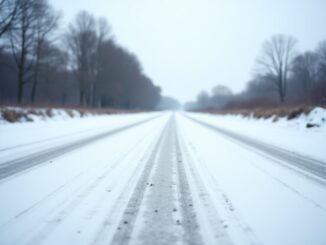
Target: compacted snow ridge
point(164, 178)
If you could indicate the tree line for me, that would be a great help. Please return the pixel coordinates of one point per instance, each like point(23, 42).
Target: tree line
point(84, 66)
point(282, 76)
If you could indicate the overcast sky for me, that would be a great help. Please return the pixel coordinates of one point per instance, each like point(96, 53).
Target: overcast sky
point(186, 46)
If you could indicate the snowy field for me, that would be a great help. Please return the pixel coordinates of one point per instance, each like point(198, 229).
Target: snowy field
point(163, 178)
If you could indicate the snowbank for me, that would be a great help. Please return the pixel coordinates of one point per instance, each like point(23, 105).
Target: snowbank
point(304, 134)
point(315, 118)
point(19, 114)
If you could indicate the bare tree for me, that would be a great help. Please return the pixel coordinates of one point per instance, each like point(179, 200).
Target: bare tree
point(81, 39)
point(103, 73)
point(46, 23)
point(305, 72)
point(56, 85)
point(8, 13)
point(220, 96)
point(275, 61)
point(103, 35)
point(321, 52)
point(203, 99)
point(22, 41)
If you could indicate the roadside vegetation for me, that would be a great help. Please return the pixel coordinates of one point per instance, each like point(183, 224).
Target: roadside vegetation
point(265, 113)
point(31, 114)
point(43, 63)
point(284, 82)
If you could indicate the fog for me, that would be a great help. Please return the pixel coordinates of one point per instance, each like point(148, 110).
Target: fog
point(186, 46)
point(150, 54)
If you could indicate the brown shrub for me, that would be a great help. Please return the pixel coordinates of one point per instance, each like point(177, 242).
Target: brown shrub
point(15, 115)
point(49, 112)
point(12, 115)
point(277, 112)
point(70, 113)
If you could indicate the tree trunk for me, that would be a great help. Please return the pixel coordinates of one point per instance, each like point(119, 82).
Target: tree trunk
point(81, 97)
point(36, 72)
point(21, 72)
point(20, 86)
point(33, 95)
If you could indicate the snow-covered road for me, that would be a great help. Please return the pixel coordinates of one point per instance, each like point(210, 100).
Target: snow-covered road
point(157, 178)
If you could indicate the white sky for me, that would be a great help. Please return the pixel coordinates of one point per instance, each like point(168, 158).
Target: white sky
point(186, 46)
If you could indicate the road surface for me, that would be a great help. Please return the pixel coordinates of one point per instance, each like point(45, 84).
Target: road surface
point(168, 178)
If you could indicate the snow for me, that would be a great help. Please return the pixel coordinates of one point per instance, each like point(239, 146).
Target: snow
point(50, 114)
point(16, 134)
point(237, 194)
point(280, 206)
point(73, 190)
point(40, 114)
point(317, 116)
point(292, 135)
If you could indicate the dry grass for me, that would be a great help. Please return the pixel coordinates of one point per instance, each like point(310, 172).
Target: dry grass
point(12, 116)
point(17, 114)
point(277, 112)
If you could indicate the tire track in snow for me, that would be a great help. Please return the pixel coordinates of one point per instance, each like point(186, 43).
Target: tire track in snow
point(13, 167)
point(57, 215)
point(211, 201)
point(164, 199)
point(189, 215)
point(212, 226)
point(311, 168)
point(111, 219)
point(55, 138)
point(158, 216)
point(127, 221)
